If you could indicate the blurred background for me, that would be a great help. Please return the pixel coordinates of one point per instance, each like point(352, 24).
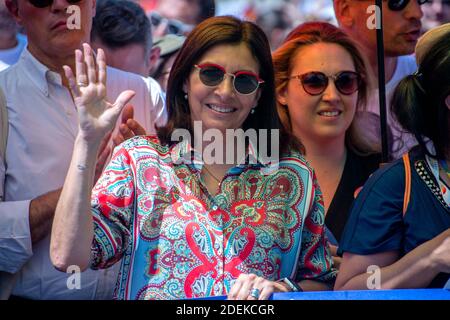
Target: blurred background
point(178, 17)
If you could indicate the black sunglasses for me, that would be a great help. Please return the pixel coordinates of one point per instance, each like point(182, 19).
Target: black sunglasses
point(244, 82)
point(398, 5)
point(47, 3)
point(315, 83)
point(173, 26)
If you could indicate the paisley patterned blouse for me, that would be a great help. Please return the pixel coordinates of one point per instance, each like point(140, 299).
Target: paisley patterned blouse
point(175, 240)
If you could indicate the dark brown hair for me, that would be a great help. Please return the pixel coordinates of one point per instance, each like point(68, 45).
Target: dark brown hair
point(118, 23)
point(418, 102)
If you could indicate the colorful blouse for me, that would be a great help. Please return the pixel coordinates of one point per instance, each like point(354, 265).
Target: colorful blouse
point(175, 240)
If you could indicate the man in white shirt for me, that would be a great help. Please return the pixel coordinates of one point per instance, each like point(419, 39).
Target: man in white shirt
point(401, 30)
point(42, 127)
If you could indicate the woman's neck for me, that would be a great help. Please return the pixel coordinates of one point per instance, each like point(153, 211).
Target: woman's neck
point(327, 158)
point(325, 152)
point(222, 151)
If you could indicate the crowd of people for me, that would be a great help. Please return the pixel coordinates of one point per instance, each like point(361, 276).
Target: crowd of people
point(116, 156)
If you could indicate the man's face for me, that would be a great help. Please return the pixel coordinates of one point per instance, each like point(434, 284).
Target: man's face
point(47, 27)
point(186, 11)
point(401, 28)
point(436, 13)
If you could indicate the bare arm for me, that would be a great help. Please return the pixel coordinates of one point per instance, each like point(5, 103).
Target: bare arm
point(312, 285)
point(415, 270)
point(42, 210)
point(72, 231)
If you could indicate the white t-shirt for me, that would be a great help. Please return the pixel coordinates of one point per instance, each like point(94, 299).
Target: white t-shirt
point(402, 141)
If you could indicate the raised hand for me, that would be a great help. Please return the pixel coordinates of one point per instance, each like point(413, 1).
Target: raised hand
point(96, 116)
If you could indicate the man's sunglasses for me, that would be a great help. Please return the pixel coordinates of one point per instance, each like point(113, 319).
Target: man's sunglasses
point(315, 83)
point(47, 3)
point(173, 26)
point(244, 82)
point(399, 5)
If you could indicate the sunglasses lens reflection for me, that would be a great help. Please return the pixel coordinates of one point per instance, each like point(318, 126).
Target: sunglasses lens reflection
point(246, 83)
point(46, 3)
point(315, 83)
point(347, 82)
point(243, 83)
point(211, 76)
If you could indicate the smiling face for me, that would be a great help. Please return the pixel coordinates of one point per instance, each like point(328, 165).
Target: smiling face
point(325, 116)
point(221, 107)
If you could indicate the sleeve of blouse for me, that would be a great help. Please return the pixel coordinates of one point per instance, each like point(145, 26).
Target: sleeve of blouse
point(112, 206)
point(316, 262)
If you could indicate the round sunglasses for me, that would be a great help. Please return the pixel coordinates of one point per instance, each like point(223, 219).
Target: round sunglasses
point(47, 3)
point(244, 82)
point(173, 26)
point(315, 83)
point(398, 5)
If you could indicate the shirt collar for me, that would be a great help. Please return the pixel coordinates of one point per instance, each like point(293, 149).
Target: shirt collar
point(38, 73)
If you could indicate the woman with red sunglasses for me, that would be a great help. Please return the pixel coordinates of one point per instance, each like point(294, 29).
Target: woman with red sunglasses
point(181, 225)
point(321, 84)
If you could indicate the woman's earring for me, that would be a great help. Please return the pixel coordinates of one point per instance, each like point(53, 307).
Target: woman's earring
point(185, 96)
point(253, 110)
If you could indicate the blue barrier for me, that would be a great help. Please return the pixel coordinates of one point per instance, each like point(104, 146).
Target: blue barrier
point(398, 294)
